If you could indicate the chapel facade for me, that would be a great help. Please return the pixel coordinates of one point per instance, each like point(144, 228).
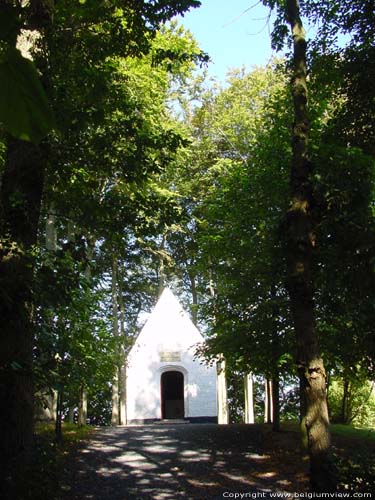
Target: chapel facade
point(165, 381)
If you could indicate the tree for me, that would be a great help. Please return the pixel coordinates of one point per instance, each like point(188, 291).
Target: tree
point(308, 206)
point(24, 176)
point(299, 245)
point(108, 185)
point(300, 240)
point(346, 171)
point(351, 399)
point(241, 219)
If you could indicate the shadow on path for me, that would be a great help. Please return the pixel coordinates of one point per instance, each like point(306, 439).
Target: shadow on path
point(191, 461)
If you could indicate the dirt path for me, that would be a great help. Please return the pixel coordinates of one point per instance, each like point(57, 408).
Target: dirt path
point(189, 461)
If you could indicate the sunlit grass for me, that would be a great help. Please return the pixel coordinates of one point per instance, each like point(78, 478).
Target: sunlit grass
point(360, 433)
point(349, 431)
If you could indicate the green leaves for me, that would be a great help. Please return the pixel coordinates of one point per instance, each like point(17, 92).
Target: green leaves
point(24, 109)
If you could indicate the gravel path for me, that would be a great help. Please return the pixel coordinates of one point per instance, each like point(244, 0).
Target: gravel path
point(189, 461)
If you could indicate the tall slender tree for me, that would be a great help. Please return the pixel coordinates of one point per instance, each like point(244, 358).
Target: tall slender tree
point(300, 240)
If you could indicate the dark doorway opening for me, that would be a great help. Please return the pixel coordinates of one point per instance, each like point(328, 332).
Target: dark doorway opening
point(172, 395)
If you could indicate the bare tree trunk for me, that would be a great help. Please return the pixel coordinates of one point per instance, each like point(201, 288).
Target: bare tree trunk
point(344, 414)
point(161, 270)
point(58, 422)
point(51, 233)
point(51, 246)
point(276, 402)
point(222, 393)
point(115, 380)
point(249, 398)
point(115, 398)
point(82, 405)
point(122, 370)
point(194, 295)
point(122, 396)
point(82, 402)
point(71, 415)
point(275, 348)
point(268, 402)
point(300, 242)
point(21, 189)
point(222, 399)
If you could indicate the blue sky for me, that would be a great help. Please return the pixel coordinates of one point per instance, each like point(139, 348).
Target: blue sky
point(232, 32)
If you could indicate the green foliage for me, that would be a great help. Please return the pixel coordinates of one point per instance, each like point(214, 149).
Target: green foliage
point(114, 133)
point(345, 280)
point(344, 44)
point(99, 409)
point(24, 109)
point(108, 153)
point(341, 17)
point(74, 344)
point(237, 194)
point(203, 198)
point(106, 185)
point(352, 401)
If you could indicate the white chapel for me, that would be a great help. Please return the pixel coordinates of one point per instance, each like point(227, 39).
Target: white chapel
point(164, 379)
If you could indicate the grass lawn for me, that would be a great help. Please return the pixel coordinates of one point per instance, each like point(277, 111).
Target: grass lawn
point(354, 433)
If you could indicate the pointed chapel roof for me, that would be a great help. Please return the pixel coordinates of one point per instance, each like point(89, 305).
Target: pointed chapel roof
point(169, 322)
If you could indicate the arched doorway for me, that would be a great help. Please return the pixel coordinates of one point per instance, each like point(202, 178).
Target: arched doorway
point(172, 395)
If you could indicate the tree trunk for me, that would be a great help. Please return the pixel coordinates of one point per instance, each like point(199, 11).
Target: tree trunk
point(51, 233)
point(58, 422)
point(249, 398)
point(115, 399)
point(276, 402)
point(275, 348)
point(222, 399)
point(161, 270)
point(115, 381)
point(122, 370)
point(222, 393)
point(122, 395)
point(71, 415)
point(268, 402)
point(344, 414)
point(51, 246)
point(82, 405)
point(20, 201)
point(300, 242)
point(194, 295)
